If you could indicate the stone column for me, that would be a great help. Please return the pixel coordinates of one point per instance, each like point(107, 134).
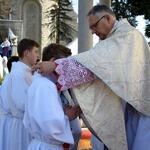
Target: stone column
point(14, 50)
point(105, 2)
point(85, 38)
point(14, 47)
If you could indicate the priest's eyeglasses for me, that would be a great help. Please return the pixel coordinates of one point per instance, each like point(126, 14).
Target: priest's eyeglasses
point(96, 23)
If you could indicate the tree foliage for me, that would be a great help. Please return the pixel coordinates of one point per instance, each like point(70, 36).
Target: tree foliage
point(124, 9)
point(61, 22)
point(130, 9)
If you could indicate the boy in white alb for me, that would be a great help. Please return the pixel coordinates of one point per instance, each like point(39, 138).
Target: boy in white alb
point(6, 118)
point(19, 80)
point(44, 115)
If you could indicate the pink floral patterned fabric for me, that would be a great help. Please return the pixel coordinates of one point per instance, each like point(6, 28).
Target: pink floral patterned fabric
point(70, 73)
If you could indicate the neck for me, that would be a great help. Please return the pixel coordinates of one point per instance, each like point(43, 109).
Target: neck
point(25, 62)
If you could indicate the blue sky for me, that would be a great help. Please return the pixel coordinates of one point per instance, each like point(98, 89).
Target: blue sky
point(140, 19)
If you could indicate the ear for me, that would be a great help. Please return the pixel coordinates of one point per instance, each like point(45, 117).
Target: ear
point(26, 52)
point(108, 18)
point(52, 59)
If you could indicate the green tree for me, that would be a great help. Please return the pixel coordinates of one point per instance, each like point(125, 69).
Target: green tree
point(61, 22)
point(142, 8)
point(123, 9)
point(130, 9)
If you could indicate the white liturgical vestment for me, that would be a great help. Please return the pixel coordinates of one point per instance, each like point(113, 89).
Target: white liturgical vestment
point(19, 81)
point(115, 69)
point(44, 116)
point(6, 118)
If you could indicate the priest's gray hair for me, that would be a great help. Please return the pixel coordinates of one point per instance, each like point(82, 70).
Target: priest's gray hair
point(99, 9)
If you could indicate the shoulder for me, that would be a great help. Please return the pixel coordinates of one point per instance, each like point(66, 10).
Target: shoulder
point(42, 81)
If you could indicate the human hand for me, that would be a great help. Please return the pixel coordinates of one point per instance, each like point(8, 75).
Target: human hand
point(72, 112)
point(44, 67)
point(77, 110)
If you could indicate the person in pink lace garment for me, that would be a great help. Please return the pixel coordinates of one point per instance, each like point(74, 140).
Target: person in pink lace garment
point(119, 62)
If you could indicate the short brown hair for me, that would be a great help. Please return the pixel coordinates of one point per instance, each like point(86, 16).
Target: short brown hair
point(26, 44)
point(55, 50)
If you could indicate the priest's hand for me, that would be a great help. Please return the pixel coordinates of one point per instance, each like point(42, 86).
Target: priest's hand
point(44, 67)
point(72, 112)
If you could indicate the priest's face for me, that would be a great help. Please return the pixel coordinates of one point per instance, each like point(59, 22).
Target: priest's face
point(100, 24)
